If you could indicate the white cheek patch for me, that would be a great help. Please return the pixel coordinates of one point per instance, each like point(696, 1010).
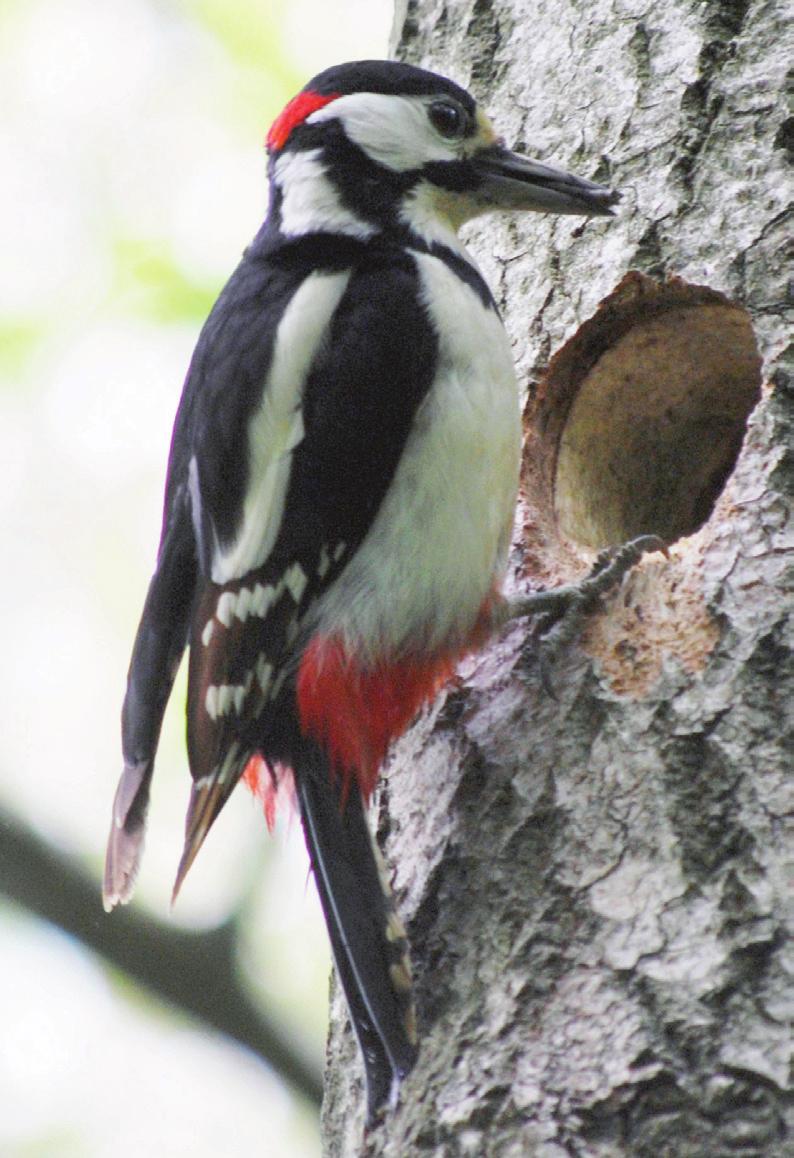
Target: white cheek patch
point(393, 130)
point(310, 201)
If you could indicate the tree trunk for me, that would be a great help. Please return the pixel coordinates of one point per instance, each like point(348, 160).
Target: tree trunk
point(595, 884)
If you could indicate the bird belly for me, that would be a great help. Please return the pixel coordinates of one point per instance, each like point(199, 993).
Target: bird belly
point(438, 545)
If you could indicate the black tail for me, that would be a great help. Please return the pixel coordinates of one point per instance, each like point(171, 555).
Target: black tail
point(368, 942)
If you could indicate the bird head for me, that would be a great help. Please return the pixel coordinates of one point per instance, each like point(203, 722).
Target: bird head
point(377, 145)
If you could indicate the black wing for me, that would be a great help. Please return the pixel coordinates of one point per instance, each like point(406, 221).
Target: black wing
point(358, 404)
point(159, 644)
point(230, 359)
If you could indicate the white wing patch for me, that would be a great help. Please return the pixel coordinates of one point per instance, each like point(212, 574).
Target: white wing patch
point(276, 427)
point(221, 698)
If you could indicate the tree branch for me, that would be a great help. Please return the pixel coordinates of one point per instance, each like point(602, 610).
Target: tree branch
point(195, 972)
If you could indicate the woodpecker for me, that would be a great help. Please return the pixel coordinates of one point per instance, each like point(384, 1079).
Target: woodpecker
point(339, 497)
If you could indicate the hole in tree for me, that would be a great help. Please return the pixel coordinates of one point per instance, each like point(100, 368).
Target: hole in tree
point(641, 416)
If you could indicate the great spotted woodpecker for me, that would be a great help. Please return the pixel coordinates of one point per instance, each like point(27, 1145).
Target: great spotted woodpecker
point(340, 496)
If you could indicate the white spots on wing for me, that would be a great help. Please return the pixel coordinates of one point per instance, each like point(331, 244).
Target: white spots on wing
point(224, 611)
point(275, 427)
point(262, 600)
point(327, 558)
point(256, 601)
point(243, 603)
point(268, 687)
point(230, 767)
point(222, 698)
point(225, 698)
point(229, 764)
point(240, 692)
point(295, 581)
point(264, 672)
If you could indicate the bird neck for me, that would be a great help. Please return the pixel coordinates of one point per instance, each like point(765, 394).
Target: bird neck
point(305, 199)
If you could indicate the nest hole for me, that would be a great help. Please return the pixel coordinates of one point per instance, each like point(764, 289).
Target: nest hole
point(641, 416)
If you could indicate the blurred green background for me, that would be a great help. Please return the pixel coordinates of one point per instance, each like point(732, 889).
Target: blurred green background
point(133, 175)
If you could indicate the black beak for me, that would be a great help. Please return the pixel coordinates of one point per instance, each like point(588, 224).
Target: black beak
point(508, 181)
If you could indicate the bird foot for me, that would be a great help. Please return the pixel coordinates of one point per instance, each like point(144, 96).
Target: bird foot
point(561, 611)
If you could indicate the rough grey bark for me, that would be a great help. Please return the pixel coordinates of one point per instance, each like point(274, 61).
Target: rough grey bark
point(598, 888)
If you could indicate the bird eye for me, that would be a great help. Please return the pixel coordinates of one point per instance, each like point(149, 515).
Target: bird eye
point(447, 118)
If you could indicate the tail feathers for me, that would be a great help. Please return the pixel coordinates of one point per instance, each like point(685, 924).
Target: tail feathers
point(127, 831)
point(207, 797)
point(368, 942)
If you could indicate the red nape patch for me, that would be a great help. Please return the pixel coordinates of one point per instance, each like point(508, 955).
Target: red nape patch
point(356, 712)
point(294, 114)
point(273, 786)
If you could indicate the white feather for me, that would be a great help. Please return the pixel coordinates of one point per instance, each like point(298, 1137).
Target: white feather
point(276, 427)
point(225, 608)
point(441, 537)
point(392, 130)
point(263, 599)
point(310, 201)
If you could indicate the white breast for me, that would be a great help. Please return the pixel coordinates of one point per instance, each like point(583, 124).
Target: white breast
point(441, 537)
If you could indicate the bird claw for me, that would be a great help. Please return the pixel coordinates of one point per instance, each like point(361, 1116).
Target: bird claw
point(561, 611)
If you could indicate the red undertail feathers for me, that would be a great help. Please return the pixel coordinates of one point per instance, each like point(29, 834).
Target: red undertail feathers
point(355, 711)
point(273, 785)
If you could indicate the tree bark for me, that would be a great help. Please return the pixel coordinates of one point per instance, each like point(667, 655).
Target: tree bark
point(597, 886)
